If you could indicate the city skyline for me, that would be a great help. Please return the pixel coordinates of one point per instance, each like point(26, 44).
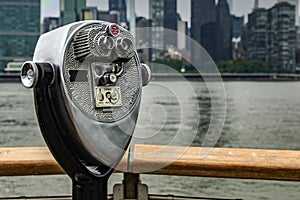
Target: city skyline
point(20, 29)
point(240, 7)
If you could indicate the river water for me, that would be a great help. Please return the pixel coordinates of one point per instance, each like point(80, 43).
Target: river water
point(264, 115)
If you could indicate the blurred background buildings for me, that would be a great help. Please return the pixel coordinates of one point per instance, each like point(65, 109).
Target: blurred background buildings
point(20, 29)
point(271, 36)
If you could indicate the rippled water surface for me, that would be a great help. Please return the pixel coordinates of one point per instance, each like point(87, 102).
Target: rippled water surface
point(263, 115)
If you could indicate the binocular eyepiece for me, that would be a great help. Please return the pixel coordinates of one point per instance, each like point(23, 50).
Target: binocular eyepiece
point(87, 81)
point(107, 42)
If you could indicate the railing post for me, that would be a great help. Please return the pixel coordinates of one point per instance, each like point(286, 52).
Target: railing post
point(131, 188)
point(130, 185)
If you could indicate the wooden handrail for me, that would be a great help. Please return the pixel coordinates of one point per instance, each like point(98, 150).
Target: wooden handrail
point(219, 163)
point(28, 161)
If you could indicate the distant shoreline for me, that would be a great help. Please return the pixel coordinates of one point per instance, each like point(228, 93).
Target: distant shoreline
point(6, 77)
point(196, 77)
point(227, 77)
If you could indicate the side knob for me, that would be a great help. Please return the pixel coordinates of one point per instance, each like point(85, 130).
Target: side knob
point(33, 74)
point(29, 74)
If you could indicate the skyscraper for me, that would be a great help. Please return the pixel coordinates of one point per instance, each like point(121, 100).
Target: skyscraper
point(256, 4)
point(256, 43)
point(103, 15)
point(230, 4)
point(20, 29)
point(182, 32)
point(143, 39)
point(50, 23)
point(120, 7)
point(157, 22)
point(203, 26)
point(271, 36)
point(170, 21)
point(89, 13)
point(70, 10)
point(282, 44)
point(297, 13)
point(296, 4)
point(163, 14)
point(212, 28)
point(224, 40)
point(237, 26)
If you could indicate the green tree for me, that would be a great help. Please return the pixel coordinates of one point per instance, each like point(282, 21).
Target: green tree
point(243, 66)
point(173, 63)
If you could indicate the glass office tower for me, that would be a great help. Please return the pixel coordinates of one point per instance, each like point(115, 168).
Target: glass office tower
point(20, 29)
point(71, 11)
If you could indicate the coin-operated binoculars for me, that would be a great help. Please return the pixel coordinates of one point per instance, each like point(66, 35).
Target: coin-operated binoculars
point(87, 83)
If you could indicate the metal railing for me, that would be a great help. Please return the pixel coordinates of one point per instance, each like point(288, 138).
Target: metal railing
point(281, 165)
point(220, 162)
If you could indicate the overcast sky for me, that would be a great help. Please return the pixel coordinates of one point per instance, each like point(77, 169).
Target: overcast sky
point(240, 7)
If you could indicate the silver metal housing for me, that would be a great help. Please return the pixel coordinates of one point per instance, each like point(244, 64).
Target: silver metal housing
point(104, 132)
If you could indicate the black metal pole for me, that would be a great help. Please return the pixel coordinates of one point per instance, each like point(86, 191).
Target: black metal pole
point(95, 189)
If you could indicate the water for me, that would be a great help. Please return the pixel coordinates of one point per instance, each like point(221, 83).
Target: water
point(259, 115)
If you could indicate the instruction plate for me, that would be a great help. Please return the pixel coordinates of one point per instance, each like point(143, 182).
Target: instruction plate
point(108, 96)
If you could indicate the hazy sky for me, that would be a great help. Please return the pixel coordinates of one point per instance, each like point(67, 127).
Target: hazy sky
point(240, 7)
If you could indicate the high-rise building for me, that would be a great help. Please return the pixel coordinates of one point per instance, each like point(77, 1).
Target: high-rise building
point(271, 36)
point(114, 17)
point(92, 13)
point(256, 4)
point(89, 13)
point(163, 14)
point(103, 15)
point(237, 31)
point(224, 40)
point(212, 28)
point(70, 10)
point(182, 33)
point(143, 39)
point(170, 22)
point(157, 22)
point(237, 26)
point(282, 37)
point(50, 23)
point(256, 43)
point(296, 4)
point(203, 26)
point(20, 29)
point(297, 13)
point(230, 4)
point(203, 12)
point(131, 15)
point(209, 40)
point(120, 7)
